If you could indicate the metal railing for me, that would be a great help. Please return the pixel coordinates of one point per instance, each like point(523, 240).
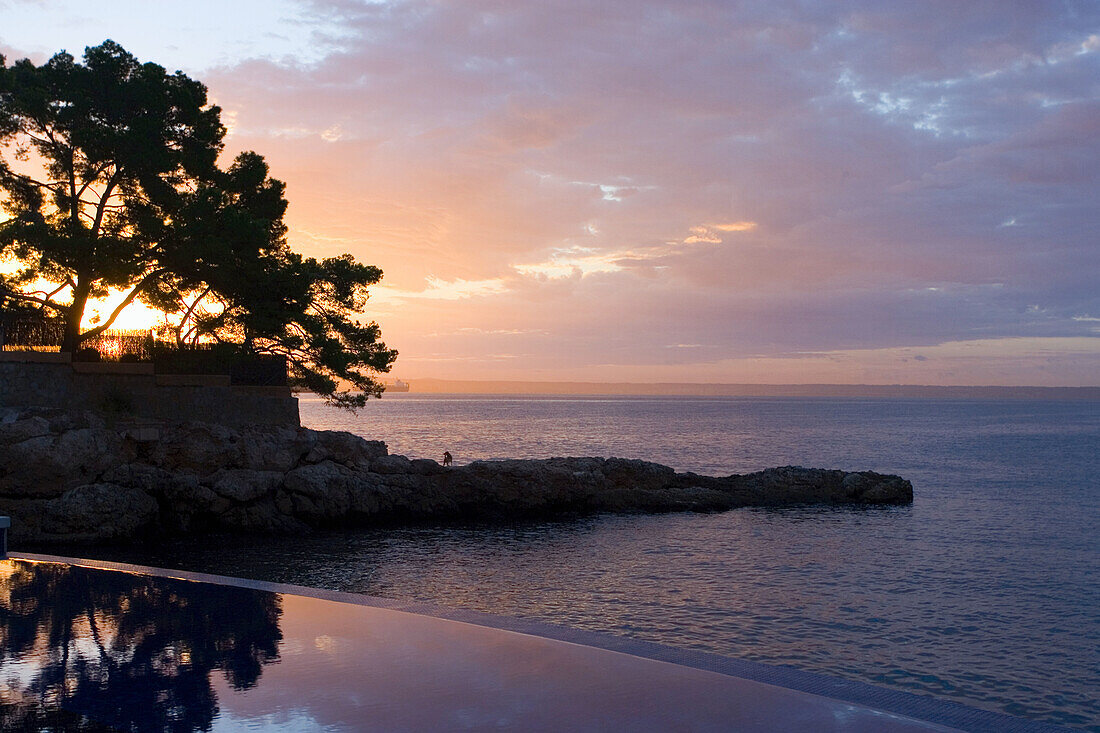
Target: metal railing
point(23, 333)
point(28, 333)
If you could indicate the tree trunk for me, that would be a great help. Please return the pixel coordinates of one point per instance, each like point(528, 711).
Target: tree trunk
point(75, 315)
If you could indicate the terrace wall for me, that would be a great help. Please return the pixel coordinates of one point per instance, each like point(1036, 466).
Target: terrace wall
point(30, 379)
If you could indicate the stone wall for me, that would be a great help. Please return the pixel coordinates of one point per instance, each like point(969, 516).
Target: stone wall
point(132, 390)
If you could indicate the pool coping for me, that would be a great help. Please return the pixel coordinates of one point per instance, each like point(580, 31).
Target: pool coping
point(932, 710)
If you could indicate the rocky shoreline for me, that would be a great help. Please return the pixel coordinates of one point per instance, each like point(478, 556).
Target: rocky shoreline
point(74, 477)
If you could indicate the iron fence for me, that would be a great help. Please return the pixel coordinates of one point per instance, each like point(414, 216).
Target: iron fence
point(117, 345)
point(22, 332)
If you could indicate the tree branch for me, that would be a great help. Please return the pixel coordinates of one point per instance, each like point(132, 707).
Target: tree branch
point(39, 301)
point(101, 208)
point(54, 187)
point(62, 286)
point(145, 282)
point(74, 199)
point(187, 316)
point(95, 175)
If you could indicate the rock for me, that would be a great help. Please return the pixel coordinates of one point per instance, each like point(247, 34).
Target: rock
point(798, 485)
point(425, 467)
point(369, 496)
point(345, 448)
point(181, 495)
point(262, 516)
point(275, 448)
point(69, 477)
point(320, 491)
point(23, 429)
point(391, 464)
point(197, 448)
point(399, 481)
point(868, 487)
point(150, 479)
point(637, 474)
point(242, 484)
point(47, 465)
point(687, 499)
point(26, 518)
point(98, 512)
point(60, 420)
point(141, 433)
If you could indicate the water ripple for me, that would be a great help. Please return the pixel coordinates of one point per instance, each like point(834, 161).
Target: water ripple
point(983, 591)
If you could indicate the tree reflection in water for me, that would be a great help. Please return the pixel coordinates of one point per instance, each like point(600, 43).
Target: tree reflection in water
point(86, 649)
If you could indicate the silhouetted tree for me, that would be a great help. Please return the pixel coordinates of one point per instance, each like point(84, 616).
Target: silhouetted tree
point(112, 183)
point(106, 650)
point(95, 146)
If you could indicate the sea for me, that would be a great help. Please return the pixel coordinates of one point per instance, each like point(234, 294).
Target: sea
point(984, 591)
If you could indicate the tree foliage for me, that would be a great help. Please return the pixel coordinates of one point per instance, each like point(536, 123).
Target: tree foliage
point(111, 180)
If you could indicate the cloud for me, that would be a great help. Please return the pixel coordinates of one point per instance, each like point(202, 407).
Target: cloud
point(702, 235)
point(438, 289)
point(574, 262)
point(735, 226)
point(766, 177)
point(593, 167)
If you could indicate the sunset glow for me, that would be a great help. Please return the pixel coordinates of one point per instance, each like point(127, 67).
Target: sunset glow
point(670, 191)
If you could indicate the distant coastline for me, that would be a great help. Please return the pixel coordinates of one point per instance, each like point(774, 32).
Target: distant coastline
point(689, 389)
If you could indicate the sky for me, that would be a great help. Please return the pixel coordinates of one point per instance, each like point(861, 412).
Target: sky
point(671, 190)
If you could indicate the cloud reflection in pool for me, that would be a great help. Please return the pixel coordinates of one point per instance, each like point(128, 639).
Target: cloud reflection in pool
point(93, 649)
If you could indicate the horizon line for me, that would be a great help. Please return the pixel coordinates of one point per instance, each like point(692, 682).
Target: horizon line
point(432, 385)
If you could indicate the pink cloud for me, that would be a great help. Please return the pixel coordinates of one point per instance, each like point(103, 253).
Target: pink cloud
point(568, 151)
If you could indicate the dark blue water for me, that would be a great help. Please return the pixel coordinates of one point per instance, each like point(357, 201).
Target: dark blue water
point(983, 591)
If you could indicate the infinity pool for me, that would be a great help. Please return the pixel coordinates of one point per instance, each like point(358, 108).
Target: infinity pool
point(96, 646)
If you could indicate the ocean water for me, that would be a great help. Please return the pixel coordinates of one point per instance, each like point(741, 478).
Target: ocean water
point(984, 591)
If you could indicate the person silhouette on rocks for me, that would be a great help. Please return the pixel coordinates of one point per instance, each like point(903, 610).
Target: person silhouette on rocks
point(447, 458)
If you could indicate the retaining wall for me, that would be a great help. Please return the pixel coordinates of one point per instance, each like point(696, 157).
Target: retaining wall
point(51, 380)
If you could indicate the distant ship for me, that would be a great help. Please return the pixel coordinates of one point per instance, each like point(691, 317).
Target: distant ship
point(397, 386)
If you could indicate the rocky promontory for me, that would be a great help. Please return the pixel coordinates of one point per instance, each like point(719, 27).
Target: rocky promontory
point(76, 477)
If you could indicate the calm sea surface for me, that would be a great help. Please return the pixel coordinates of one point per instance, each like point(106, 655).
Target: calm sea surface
point(984, 591)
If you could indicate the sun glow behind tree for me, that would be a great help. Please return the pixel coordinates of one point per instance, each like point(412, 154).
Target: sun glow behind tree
point(113, 188)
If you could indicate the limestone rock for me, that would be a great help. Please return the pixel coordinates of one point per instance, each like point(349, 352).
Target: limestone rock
point(261, 516)
point(59, 420)
point(274, 448)
point(798, 485)
point(22, 429)
point(70, 477)
point(198, 448)
point(345, 448)
point(98, 512)
point(47, 465)
point(868, 487)
point(637, 474)
point(242, 484)
point(425, 467)
point(391, 464)
point(320, 491)
point(368, 496)
point(181, 496)
point(150, 479)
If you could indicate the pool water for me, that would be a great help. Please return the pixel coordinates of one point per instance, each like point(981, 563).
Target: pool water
point(136, 649)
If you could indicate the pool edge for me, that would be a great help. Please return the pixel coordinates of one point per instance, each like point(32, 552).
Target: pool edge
point(896, 702)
